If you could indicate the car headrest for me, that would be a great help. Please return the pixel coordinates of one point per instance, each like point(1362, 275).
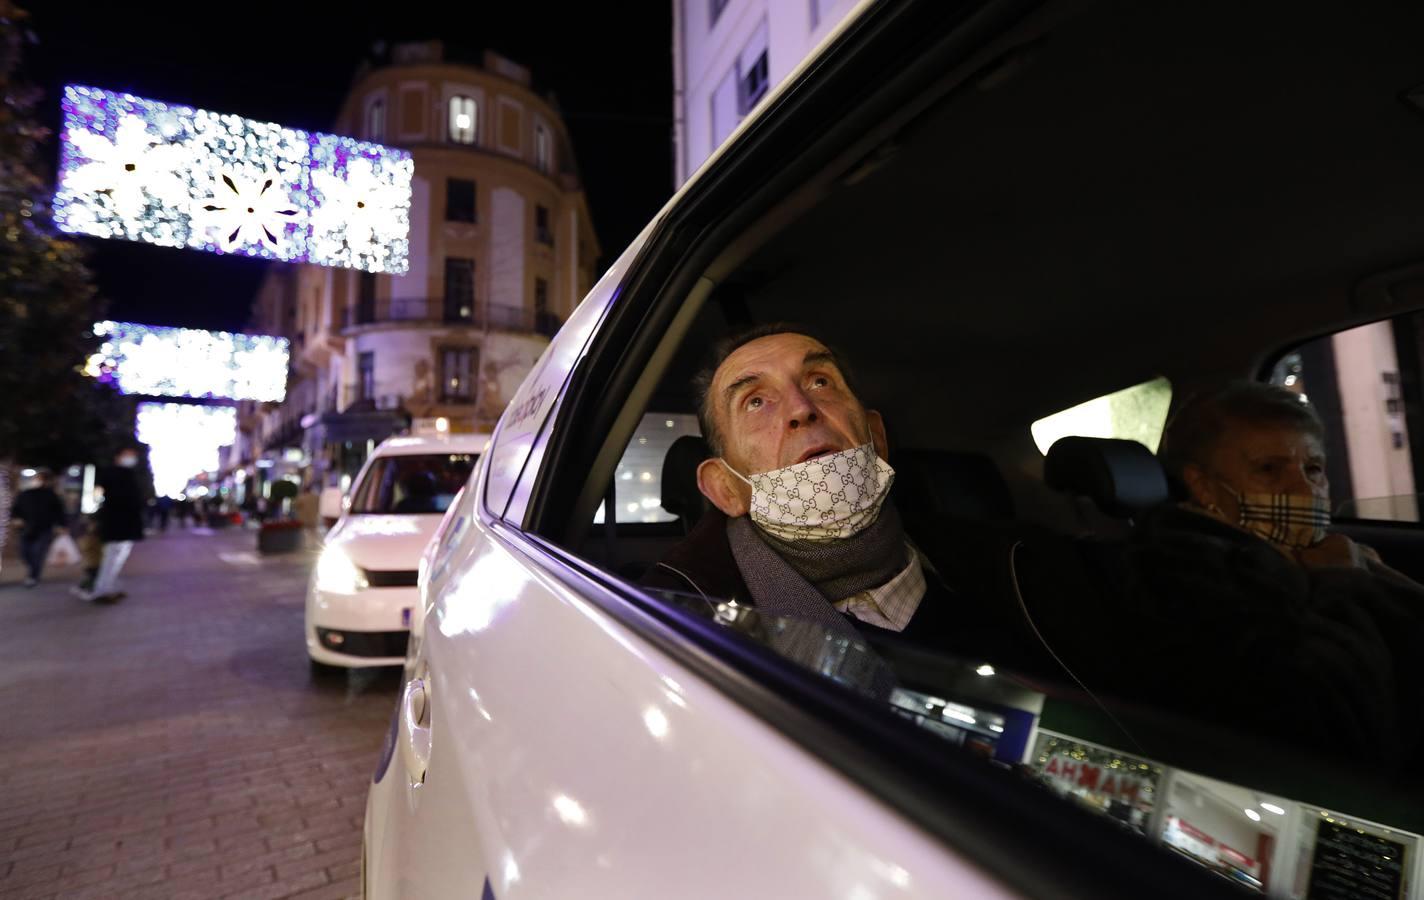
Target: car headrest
point(933, 484)
point(1122, 477)
point(680, 494)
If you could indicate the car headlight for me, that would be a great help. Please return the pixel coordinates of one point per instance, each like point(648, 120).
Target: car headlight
point(337, 574)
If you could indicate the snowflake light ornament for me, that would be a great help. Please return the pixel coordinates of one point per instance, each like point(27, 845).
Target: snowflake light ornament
point(361, 204)
point(135, 162)
point(245, 211)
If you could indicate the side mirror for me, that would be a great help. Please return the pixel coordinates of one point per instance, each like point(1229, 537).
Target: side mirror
point(330, 505)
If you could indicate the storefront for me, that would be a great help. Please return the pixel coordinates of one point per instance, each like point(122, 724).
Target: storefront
point(1273, 845)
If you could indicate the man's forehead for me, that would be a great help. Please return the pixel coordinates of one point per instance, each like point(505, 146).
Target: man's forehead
point(787, 349)
point(1254, 439)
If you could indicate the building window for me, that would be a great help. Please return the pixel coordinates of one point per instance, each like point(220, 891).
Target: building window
point(366, 376)
point(365, 297)
point(715, 8)
point(376, 120)
point(543, 233)
point(459, 200)
point(462, 119)
point(751, 84)
point(542, 154)
point(457, 368)
point(459, 290)
point(545, 322)
point(753, 71)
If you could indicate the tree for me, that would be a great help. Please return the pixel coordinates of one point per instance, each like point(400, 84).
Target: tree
point(53, 413)
point(50, 412)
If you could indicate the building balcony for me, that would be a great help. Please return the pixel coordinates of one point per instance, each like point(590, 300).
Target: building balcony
point(451, 311)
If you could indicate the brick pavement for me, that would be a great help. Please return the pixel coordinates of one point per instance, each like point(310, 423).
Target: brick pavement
point(174, 746)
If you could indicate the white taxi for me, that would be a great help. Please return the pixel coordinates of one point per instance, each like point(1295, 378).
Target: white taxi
point(362, 593)
point(1004, 214)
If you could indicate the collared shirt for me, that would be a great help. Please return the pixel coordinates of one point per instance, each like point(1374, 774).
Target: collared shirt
point(893, 604)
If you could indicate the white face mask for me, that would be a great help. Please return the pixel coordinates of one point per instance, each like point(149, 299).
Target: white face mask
point(822, 499)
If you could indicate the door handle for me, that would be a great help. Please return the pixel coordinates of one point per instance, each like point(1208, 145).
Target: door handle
point(415, 729)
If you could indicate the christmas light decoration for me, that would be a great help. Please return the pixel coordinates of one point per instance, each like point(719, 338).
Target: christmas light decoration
point(163, 174)
point(188, 362)
point(183, 441)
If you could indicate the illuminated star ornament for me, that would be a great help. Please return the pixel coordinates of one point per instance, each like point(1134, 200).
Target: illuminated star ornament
point(163, 174)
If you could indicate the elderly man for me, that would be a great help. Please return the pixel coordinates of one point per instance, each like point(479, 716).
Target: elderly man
point(800, 480)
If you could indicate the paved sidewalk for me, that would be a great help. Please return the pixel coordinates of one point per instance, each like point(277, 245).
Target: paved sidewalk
point(173, 745)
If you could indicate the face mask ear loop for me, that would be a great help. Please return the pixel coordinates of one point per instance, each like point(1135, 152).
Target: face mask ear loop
point(729, 468)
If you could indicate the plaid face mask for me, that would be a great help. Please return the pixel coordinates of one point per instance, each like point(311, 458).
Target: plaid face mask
point(827, 498)
point(1296, 521)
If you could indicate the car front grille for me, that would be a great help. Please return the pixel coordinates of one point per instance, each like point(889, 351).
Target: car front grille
point(391, 578)
point(372, 644)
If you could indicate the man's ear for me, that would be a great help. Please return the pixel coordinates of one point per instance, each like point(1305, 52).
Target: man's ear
point(877, 434)
point(725, 491)
point(1199, 486)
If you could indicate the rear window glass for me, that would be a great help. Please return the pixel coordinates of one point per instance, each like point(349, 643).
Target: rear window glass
point(1138, 413)
point(412, 485)
point(638, 481)
point(1364, 383)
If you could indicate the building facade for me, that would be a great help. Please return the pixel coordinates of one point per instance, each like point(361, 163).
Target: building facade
point(727, 54)
point(501, 250)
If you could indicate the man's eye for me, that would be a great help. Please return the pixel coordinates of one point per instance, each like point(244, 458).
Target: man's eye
point(820, 381)
point(754, 403)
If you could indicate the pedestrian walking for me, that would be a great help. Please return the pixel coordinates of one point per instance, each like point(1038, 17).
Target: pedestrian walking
point(42, 513)
point(120, 520)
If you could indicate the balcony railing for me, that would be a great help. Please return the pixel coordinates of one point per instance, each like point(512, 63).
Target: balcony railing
point(477, 313)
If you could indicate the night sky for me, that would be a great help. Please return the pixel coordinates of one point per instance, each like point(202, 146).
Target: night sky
point(293, 62)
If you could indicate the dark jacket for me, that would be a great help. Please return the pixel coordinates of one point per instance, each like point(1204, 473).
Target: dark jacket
point(40, 509)
point(1218, 622)
point(702, 563)
point(121, 514)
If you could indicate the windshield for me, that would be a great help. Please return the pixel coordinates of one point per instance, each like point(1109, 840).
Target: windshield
point(412, 485)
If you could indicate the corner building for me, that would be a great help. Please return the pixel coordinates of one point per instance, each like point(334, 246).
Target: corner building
point(501, 251)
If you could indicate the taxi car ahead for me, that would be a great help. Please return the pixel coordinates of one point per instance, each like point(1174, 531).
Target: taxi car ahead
point(1000, 210)
point(362, 595)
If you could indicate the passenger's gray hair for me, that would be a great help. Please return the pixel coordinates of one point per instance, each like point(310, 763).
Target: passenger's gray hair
point(1201, 422)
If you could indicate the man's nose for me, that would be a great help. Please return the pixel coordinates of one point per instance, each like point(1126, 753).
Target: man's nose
point(1298, 482)
point(800, 410)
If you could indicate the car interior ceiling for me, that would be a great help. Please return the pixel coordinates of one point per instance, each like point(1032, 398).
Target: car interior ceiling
point(1184, 191)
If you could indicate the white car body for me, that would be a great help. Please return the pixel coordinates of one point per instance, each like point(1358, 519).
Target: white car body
point(562, 733)
point(387, 549)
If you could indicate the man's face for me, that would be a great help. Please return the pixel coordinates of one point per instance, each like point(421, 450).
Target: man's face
point(782, 399)
point(1261, 459)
